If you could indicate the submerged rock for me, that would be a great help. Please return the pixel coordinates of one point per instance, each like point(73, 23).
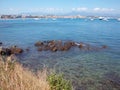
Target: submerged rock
point(61, 48)
point(46, 47)
point(38, 43)
point(1, 43)
point(80, 45)
point(104, 46)
point(8, 52)
point(68, 45)
point(5, 51)
point(2, 51)
point(16, 50)
point(54, 49)
point(59, 45)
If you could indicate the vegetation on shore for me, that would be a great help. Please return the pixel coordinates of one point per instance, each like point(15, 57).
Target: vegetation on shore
point(57, 82)
point(15, 77)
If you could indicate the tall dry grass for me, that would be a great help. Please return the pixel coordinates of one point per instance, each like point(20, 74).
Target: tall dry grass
point(14, 77)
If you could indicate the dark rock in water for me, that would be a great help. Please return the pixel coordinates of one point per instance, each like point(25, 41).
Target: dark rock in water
point(46, 48)
point(72, 43)
point(5, 51)
point(104, 46)
point(81, 45)
point(8, 52)
point(66, 48)
point(2, 51)
point(37, 44)
point(61, 48)
point(16, 50)
point(54, 49)
point(67, 45)
point(1, 43)
point(52, 43)
point(58, 45)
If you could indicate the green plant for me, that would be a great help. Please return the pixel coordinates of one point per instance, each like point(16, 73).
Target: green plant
point(57, 82)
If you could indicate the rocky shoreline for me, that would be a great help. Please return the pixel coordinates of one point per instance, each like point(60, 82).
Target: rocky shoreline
point(110, 79)
point(50, 45)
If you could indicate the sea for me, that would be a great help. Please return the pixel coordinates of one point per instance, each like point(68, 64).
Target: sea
point(87, 70)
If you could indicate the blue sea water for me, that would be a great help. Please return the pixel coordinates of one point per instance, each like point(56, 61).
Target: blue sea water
point(86, 69)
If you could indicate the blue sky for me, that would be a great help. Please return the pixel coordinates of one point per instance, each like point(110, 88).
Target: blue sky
point(59, 6)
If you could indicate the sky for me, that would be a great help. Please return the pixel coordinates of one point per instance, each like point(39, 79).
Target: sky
point(60, 6)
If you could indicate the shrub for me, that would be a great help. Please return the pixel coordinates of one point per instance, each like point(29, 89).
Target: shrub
point(57, 82)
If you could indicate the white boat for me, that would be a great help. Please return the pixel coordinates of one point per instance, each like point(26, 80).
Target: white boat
point(105, 19)
point(36, 18)
point(118, 19)
point(91, 19)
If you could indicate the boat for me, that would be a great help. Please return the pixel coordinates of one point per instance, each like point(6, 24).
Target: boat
point(118, 19)
point(105, 19)
point(36, 18)
point(91, 19)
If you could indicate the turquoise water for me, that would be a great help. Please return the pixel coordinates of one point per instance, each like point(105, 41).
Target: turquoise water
point(87, 70)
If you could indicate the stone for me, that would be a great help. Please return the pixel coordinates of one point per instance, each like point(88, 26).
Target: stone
point(1, 43)
point(8, 52)
point(2, 51)
point(61, 48)
point(104, 46)
point(46, 47)
point(37, 44)
point(67, 45)
point(54, 49)
point(66, 48)
point(72, 43)
point(59, 45)
point(16, 50)
point(81, 46)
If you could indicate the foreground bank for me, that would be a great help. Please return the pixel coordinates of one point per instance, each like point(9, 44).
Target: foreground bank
point(13, 76)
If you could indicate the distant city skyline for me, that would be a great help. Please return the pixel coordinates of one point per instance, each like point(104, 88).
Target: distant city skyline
point(70, 7)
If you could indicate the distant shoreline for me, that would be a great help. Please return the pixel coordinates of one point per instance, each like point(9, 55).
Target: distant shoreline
point(53, 17)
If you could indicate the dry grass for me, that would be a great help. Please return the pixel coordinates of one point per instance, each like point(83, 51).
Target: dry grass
point(14, 77)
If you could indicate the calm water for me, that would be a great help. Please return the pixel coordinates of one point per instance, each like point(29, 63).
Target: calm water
point(88, 70)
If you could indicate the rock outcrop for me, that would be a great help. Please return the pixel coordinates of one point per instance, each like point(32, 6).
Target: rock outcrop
point(54, 45)
point(11, 50)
